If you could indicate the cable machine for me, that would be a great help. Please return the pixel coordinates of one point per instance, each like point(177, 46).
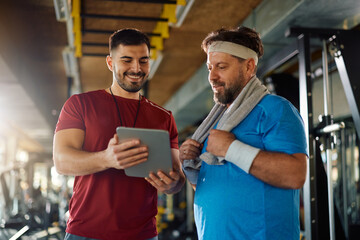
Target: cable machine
point(322, 221)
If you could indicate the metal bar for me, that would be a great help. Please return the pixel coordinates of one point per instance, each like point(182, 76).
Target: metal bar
point(21, 232)
point(322, 33)
point(283, 56)
point(344, 178)
point(325, 80)
point(328, 142)
point(148, 1)
point(349, 91)
point(131, 18)
point(95, 31)
point(77, 27)
point(330, 194)
point(332, 127)
point(310, 201)
point(189, 207)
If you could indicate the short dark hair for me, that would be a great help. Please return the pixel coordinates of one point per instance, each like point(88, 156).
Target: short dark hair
point(128, 36)
point(240, 35)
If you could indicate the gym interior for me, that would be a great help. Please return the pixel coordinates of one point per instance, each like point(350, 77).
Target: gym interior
point(52, 49)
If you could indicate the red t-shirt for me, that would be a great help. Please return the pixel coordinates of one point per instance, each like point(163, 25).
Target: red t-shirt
point(109, 204)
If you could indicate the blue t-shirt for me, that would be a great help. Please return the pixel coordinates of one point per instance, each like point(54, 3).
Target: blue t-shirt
point(231, 204)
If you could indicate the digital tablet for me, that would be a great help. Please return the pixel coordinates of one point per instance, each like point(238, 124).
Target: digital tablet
point(158, 142)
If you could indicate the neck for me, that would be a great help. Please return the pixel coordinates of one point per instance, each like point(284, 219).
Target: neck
point(118, 91)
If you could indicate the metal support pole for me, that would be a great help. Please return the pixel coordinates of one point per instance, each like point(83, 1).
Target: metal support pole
point(189, 207)
point(310, 201)
point(328, 143)
point(344, 177)
point(325, 79)
point(340, 64)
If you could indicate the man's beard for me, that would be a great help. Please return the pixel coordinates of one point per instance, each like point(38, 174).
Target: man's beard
point(132, 86)
point(230, 93)
point(228, 96)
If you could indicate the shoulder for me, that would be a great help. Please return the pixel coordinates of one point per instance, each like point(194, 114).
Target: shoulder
point(155, 107)
point(86, 96)
point(273, 101)
point(273, 110)
point(89, 94)
point(273, 104)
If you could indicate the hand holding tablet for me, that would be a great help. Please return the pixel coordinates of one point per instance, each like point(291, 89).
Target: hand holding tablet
point(158, 143)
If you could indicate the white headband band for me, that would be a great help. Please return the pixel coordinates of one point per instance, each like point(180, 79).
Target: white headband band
point(233, 49)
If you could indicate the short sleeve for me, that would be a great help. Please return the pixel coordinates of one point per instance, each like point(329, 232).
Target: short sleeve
point(173, 133)
point(283, 129)
point(71, 115)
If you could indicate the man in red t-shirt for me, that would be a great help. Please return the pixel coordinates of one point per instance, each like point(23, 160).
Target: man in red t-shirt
point(107, 204)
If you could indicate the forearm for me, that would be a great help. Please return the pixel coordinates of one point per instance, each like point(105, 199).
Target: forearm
point(74, 162)
point(280, 169)
point(277, 169)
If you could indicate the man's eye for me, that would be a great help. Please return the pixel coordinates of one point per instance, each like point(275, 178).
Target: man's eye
point(127, 61)
point(144, 61)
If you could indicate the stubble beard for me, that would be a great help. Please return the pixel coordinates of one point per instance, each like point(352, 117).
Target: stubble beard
point(132, 86)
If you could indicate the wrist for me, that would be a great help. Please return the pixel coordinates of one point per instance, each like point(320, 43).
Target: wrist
point(105, 163)
point(241, 154)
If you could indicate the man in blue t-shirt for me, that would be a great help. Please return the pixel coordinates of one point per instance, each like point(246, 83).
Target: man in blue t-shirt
point(247, 160)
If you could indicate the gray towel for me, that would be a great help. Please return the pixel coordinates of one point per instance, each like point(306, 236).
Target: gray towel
point(249, 97)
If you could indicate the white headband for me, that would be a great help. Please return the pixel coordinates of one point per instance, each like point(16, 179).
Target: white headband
point(233, 49)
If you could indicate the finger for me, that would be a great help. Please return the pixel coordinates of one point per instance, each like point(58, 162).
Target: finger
point(132, 157)
point(189, 153)
point(114, 140)
point(155, 185)
point(130, 152)
point(129, 162)
point(192, 149)
point(189, 156)
point(165, 178)
point(151, 182)
point(192, 142)
point(123, 145)
point(160, 179)
point(174, 175)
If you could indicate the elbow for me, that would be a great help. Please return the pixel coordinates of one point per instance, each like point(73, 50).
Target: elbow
point(299, 174)
point(299, 179)
point(298, 183)
point(58, 165)
point(294, 182)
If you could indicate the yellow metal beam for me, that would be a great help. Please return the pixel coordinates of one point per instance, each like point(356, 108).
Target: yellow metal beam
point(76, 5)
point(162, 28)
point(169, 12)
point(181, 2)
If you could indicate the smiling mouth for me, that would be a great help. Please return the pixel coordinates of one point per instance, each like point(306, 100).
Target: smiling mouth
point(217, 87)
point(134, 77)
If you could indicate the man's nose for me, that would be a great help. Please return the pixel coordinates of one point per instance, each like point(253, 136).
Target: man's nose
point(135, 66)
point(213, 76)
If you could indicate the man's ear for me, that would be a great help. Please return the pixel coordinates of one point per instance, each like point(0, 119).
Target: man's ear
point(250, 66)
point(109, 62)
